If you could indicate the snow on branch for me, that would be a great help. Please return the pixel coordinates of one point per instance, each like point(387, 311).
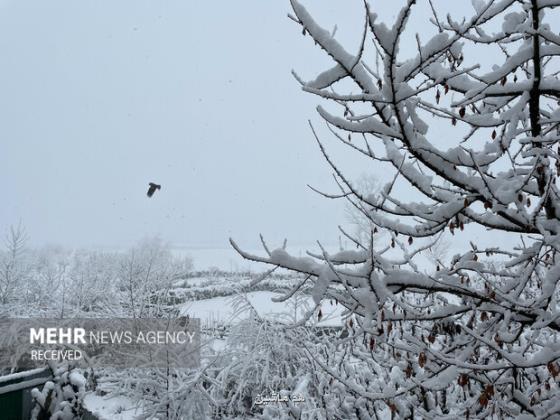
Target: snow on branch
point(473, 152)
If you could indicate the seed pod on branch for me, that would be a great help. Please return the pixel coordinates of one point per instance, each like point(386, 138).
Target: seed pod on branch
point(553, 369)
point(408, 371)
point(422, 359)
point(498, 339)
point(483, 399)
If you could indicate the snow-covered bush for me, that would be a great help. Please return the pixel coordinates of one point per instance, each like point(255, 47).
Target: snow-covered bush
point(264, 357)
point(61, 398)
point(473, 148)
point(171, 393)
point(55, 282)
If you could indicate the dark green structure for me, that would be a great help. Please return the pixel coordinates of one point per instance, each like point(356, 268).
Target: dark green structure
point(15, 392)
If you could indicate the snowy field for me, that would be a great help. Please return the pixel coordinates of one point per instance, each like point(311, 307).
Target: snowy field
point(111, 407)
point(222, 309)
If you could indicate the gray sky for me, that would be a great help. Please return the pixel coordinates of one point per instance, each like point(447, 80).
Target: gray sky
point(99, 98)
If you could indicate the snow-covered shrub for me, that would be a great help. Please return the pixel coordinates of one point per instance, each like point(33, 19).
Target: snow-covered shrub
point(55, 282)
point(171, 393)
point(61, 398)
point(474, 152)
point(203, 286)
point(265, 357)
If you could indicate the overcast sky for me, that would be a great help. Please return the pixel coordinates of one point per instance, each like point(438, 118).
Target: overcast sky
point(98, 98)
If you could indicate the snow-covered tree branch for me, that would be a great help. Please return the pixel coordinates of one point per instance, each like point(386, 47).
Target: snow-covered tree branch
point(475, 335)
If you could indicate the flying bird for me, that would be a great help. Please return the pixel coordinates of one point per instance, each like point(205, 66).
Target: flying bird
point(153, 188)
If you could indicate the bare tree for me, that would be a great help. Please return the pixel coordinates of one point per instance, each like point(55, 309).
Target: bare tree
point(92, 277)
point(468, 336)
point(147, 272)
point(366, 184)
point(12, 265)
point(49, 267)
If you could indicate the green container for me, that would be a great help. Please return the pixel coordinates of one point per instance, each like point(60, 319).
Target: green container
point(15, 392)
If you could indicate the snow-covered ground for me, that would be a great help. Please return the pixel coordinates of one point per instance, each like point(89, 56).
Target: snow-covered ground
point(221, 310)
point(111, 407)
